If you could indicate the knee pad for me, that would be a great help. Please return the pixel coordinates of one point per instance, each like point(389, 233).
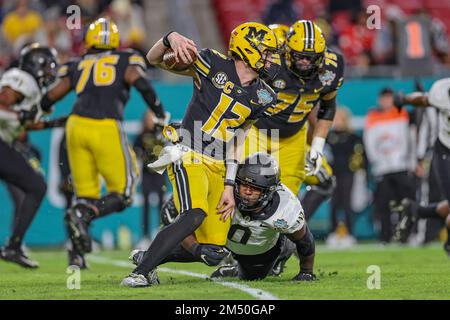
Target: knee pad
point(193, 217)
point(306, 245)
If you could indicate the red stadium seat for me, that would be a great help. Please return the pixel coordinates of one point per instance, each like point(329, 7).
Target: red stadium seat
point(436, 4)
point(410, 6)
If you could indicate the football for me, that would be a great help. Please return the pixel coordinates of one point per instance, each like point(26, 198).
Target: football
point(170, 62)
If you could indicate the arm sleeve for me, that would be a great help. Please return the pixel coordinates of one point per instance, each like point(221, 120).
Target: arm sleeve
point(145, 88)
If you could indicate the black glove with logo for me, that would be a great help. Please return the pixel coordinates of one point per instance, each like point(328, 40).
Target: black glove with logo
point(210, 254)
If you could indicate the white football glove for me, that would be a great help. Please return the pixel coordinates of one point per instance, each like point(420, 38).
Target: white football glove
point(314, 158)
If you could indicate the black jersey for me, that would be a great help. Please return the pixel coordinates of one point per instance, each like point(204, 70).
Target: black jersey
point(296, 97)
point(99, 82)
point(220, 104)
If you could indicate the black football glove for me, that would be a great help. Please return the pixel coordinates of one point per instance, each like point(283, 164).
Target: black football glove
point(210, 254)
point(399, 100)
point(305, 276)
point(32, 115)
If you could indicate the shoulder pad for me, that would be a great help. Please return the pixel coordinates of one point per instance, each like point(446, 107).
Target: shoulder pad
point(334, 64)
point(135, 58)
point(20, 81)
point(289, 216)
point(203, 63)
point(439, 94)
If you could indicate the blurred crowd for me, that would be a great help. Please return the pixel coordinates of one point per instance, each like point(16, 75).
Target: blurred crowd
point(44, 21)
point(344, 24)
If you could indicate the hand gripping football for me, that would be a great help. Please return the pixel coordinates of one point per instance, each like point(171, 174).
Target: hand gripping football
point(170, 62)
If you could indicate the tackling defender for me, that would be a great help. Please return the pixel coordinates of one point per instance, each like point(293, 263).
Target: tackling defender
point(21, 90)
point(228, 97)
point(438, 97)
point(267, 215)
point(97, 144)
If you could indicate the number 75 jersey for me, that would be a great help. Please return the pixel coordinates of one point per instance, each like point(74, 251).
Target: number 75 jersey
point(257, 233)
point(99, 82)
point(297, 96)
point(220, 104)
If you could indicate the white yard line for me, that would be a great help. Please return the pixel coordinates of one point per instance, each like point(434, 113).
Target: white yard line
point(373, 247)
point(255, 293)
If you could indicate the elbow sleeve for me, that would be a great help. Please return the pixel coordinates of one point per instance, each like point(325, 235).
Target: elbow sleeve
point(327, 109)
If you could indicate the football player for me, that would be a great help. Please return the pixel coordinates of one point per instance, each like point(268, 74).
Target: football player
point(267, 215)
point(310, 76)
point(438, 97)
point(20, 91)
point(97, 144)
point(228, 97)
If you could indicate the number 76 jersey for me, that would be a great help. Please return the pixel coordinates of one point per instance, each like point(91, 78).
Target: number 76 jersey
point(258, 233)
point(99, 82)
point(297, 96)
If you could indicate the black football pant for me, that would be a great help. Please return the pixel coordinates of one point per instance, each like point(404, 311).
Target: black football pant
point(16, 171)
point(441, 166)
point(393, 186)
point(257, 267)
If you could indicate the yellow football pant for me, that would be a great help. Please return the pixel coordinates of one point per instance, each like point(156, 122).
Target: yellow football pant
point(290, 153)
point(198, 182)
point(99, 148)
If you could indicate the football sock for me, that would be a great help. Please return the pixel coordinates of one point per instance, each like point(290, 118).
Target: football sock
point(168, 238)
point(27, 211)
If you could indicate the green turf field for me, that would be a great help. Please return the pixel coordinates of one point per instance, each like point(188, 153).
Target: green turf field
point(406, 273)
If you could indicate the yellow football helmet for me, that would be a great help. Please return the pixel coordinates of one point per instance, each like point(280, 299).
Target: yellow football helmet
point(281, 31)
point(256, 44)
point(102, 34)
point(305, 41)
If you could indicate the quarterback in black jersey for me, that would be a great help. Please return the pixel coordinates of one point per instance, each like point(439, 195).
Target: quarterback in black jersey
point(97, 144)
point(310, 76)
point(228, 98)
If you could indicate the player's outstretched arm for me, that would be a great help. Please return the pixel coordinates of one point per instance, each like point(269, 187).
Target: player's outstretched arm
point(56, 93)
point(325, 116)
point(136, 77)
point(417, 99)
point(304, 242)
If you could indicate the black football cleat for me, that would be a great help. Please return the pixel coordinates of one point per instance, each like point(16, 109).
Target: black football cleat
point(18, 256)
point(136, 280)
point(77, 259)
point(407, 210)
point(78, 219)
point(225, 272)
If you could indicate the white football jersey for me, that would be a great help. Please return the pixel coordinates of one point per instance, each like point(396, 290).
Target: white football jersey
point(248, 236)
point(22, 82)
point(439, 97)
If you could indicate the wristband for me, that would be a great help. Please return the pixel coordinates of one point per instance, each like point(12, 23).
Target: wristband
point(166, 39)
point(318, 144)
point(231, 171)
